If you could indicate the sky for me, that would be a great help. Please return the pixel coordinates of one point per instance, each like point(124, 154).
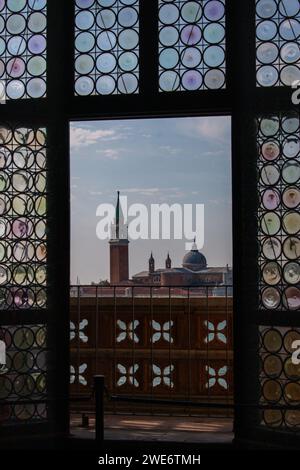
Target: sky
point(151, 161)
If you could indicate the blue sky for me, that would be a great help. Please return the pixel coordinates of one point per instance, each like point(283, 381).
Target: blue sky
point(152, 161)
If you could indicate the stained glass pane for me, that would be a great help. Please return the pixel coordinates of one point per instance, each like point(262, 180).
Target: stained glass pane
point(191, 45)
point(277, 42)
point(106, 47)
point(279, 215)
point(23, 246)
point(23, 376)
point(23, 48)
point(279, 377)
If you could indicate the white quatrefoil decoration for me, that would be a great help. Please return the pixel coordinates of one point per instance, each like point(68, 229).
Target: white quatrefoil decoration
point(215, 330)
point(128, 375)
point(128, 331)
point(78, 375)
point(162, 376)
point(216, 377)
point(162, 330)
point(82, 336)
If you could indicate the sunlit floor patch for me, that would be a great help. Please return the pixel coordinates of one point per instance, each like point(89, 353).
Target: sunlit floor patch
point(168, 429)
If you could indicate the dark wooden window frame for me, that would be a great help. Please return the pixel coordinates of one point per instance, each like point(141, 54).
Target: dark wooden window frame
point(241, 100)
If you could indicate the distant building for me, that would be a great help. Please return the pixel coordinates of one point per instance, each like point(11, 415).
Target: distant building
point(193, 272)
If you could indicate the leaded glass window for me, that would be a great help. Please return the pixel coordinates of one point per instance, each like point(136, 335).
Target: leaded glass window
point(279, 216)
point(23, 239)
point(107, 47)
point(23, 48)
point(23, 376)
point(191, 45)
point(279, 377)
point(277, 42)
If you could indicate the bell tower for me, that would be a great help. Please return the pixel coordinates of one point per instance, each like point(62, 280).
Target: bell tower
point(168, 262)
point(119, 244)
point(151, 264)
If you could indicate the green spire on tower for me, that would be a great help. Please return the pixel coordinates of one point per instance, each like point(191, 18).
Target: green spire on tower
point(118, 217)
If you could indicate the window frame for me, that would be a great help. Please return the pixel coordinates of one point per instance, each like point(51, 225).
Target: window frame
point(241, 100)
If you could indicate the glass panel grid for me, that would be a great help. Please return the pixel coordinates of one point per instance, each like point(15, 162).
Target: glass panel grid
point(191, 45)
point(279, 215)
point(23, 48)
point(23, 244)
point(23, 377)
point(279, 377)
point(106, 47)
point(277, 42)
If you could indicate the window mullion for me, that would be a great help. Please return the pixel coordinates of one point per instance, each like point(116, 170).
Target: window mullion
point(148, 48)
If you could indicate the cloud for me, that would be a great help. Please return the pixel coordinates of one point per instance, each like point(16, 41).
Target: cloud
point(209, 128)
point(80, 137)
point(143, 191)
point(162, 193)
point(214, 128)
point(110, 154)
point(170, 150)
point(118, 136)
point(219, 202)
point(95, 193)
point(212, 154)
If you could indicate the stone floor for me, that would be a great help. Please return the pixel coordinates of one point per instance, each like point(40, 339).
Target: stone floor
point(163, 429)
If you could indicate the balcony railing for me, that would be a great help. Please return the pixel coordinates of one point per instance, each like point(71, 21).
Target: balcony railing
point(154, 343)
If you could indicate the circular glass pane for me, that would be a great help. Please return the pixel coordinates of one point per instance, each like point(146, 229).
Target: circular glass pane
point(291, 370)
point(271, 248)
point(271, 298)
point(289, 340)
point(292, 273)
point(272, 273)
point(270, 150)
point(266, 30)
point(272, 418)
point(105, 85)
point(291, 248)
point(272, 366)
point(266, 8)
point(291, 197)
point(272, 341)
point(292, 418)
point(168, 58)
point(292, 393)
point(192, 80)
point(270, 175)
point(168, 36)
point(214, 10)
point(168, 14)
point(269, 126)
point(291, 172)
point(267, 53)
point(128, 61)
point(271, 199)
point(291, 223)
point(191, 12)
point(270, 223)
point(272, 390)
point(291, 298)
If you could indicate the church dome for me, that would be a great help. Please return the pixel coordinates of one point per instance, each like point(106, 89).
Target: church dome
point(194, 260)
